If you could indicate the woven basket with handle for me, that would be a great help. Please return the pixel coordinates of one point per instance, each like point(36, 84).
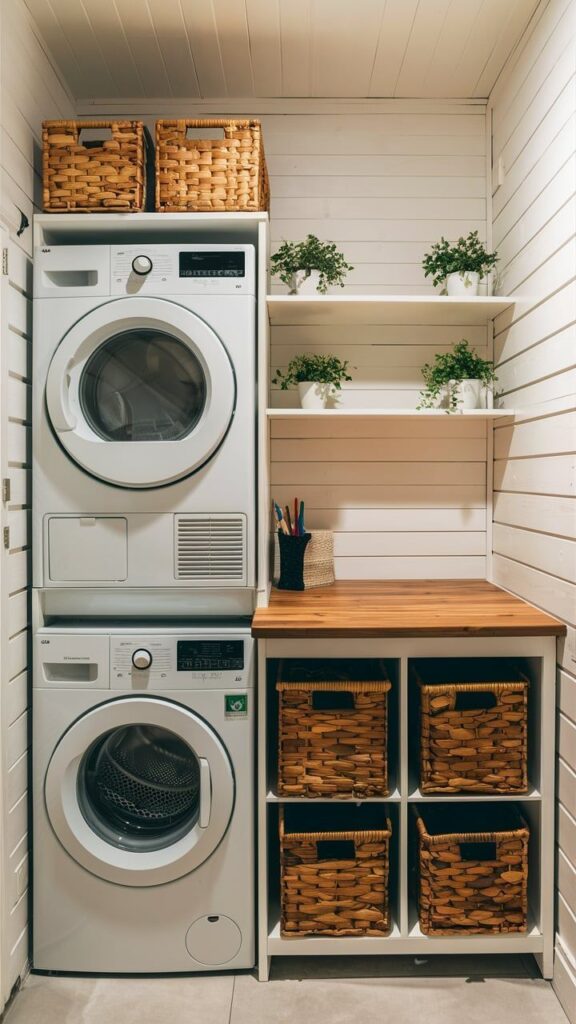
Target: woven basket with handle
point(334, 881)
point(473, 869)
point(97, 177)
point(210, 175)
point(332, 734)
point(474, 736)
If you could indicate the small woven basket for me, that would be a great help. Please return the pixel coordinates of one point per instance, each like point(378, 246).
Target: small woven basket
point(210, 175)
point(474, 736)
point(473, 869)
point(332, 738)
point(96, 177)
point(334, 871)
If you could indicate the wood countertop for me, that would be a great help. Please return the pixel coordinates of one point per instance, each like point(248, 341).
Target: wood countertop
point(397, 608)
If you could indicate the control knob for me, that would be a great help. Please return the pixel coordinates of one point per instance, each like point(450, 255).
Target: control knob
point(141, 658)
point(142, 265)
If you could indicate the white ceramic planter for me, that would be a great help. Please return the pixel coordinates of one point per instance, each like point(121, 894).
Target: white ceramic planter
point(470, 394)
point(304, 282)
point(466, 282)
point(313, 395)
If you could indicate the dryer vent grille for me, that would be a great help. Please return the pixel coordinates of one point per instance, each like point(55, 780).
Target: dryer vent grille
point(211, 549)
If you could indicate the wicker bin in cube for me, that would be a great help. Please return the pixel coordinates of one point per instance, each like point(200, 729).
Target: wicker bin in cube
point(474, 736)
point(334, 871)
point(210, 175)
point(473, 869)
point(332, 738)
point(94, 177)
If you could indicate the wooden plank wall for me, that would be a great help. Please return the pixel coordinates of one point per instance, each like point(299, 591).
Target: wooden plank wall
point(534, 227)
point(404, 498)
point(30, 90)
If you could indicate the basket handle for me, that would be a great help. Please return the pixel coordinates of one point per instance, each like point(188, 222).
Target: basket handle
point(335, 849)
point(333, 700)
point(475, 700)
point(486, 850)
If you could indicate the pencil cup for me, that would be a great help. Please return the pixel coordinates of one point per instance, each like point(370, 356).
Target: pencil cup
point(292, 561)
point(318, 565)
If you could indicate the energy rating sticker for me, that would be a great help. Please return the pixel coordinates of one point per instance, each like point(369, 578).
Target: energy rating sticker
point(236, 705)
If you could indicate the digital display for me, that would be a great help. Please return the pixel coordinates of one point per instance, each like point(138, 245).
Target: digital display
point(209, 655)
point(212, 264)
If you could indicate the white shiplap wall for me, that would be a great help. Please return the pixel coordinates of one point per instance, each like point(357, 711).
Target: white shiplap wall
point(30, 90)
point(534, 229)
point(383, 180)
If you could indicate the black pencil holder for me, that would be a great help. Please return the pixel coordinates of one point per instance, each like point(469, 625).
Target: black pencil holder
point(292, 561)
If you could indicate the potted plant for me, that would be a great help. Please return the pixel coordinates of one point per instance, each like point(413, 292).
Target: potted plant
point(317, 376)
point(309, 266)
point(460, 266)
point(457, 380)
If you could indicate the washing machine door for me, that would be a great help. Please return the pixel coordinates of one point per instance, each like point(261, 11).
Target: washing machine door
point(140, 791)
point(140, 392)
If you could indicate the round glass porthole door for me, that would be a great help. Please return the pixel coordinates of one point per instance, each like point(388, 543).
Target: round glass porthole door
point(139, 787)
point(140, 392)
point(143, 385)
point(140, 791)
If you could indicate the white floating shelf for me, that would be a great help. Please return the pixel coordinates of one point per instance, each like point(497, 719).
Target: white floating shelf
point(304, 310)
point(91, 228)
point(306, 414)
point(273, 798)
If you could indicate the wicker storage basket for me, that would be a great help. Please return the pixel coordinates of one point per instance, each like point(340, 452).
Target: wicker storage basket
point(473, 736)
point(332, 738)
point(334, 868)
point(210, 175)
point(99, 177)
point(473, 868)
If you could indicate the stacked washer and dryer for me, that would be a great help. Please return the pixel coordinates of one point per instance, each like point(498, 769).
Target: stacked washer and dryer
point(144, 412)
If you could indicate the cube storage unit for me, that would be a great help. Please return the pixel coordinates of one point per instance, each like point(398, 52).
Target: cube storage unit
point(492, 892)
point(333, 728)
point(472, 869)
point(473, 735)
point(334, 870)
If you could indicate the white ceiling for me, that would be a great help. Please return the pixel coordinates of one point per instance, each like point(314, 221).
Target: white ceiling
point(281, 48)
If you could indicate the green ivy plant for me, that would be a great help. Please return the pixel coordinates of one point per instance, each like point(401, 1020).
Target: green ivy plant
point(311, 254)
point(466, 255)
point(309, 368)
point(462, 363)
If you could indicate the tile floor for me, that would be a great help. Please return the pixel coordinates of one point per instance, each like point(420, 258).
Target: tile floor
point(332, 991)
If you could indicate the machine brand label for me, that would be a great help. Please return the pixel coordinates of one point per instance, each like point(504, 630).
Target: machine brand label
point(236, 705)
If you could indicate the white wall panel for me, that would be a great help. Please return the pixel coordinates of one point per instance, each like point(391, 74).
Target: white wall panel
point(30, 90)
point(533, 115)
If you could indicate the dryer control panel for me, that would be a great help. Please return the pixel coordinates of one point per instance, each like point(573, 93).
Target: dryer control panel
point(186, 269)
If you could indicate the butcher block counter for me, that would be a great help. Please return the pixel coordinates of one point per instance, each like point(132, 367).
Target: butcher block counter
point(402, 608)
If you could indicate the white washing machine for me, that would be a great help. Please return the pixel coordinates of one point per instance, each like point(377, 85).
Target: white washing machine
point(143, 799)
point(144, 407)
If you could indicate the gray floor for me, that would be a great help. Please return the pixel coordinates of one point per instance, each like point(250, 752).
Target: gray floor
point(330, 991)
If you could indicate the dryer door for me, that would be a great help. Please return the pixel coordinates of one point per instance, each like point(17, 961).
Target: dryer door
point(140, 392)
point(140, 791)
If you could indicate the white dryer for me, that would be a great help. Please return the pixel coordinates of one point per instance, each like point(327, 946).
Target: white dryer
point(144, 404)
point(143, 779)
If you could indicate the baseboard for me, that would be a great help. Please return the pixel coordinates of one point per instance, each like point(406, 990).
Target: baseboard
point(564, 981)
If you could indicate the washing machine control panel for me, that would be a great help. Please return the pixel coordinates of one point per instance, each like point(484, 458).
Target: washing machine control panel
point(157, 662)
